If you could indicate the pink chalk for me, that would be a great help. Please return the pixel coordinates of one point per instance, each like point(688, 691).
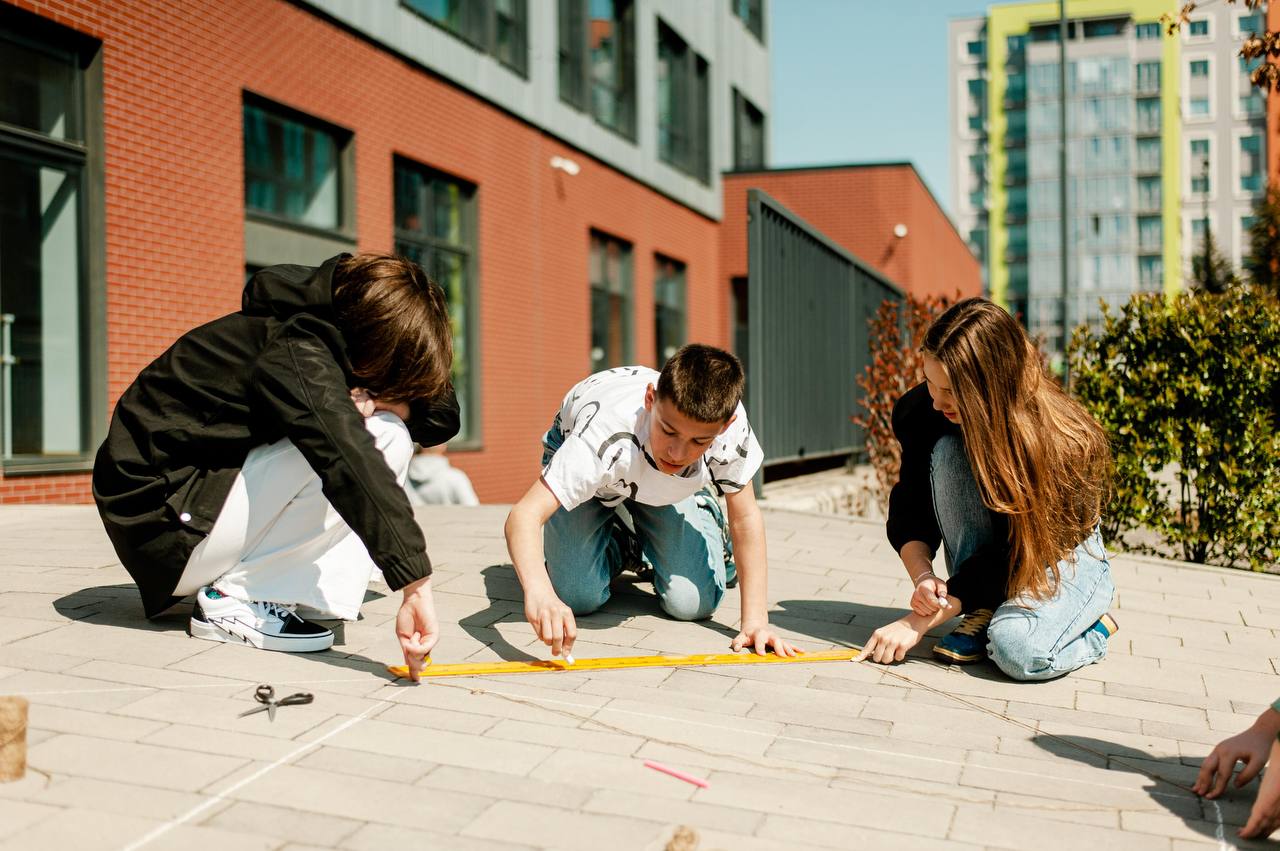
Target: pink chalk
point(679, 775)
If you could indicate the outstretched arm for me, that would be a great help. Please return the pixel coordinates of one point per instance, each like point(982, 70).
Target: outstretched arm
point(746, 528)
point(550, 618)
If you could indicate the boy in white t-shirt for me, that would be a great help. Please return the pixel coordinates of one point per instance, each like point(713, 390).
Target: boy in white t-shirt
point(652, 442)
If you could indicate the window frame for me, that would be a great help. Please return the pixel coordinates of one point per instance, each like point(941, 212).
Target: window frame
point(87, 158)
point(696, 70)
point(1238, 135)
point(470, 394)
point(754, 17)
point(742, 109)
point(682, 276)
point(628, 292)
point(344, 159)
point(484, 38)
point(573, 51)
point(1194, 173)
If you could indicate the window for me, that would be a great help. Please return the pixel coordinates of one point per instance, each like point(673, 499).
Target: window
point(1148, 155)
point(1253, 105)
point(1199, 166)
point(752, 14)
point(748, 133)
point(1251, 24)
point(1148, 115)
point(738, 309)
point(1199, 68)
point(435, 227)
point(1148, 74)
point(668, 307)
point(610, 274)
point(597, 61)
point(1199, 227)
point(52, 313)
point(1104, 28)
point(1149, 195)
point(1198, 28)
point(1246, 235)
point(1252, 172)
point(292, 167)
point(978, 244)
point(1147, 30)
point(1150, 233)
point(497, 27)
point(1198, 107)
point(683, 106)
point(1150, 271)
point(976, 49)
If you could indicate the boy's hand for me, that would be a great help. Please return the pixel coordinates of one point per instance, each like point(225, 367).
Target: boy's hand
point(891, 642)
point(364, 402)
point(760, 637)
point(552, 622)
point(1265, 817)
point(416, 625)
point(930, 595)
point(1250, 747)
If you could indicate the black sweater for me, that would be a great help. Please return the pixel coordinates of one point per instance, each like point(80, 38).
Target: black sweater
point(277, 368)
point(982, 579)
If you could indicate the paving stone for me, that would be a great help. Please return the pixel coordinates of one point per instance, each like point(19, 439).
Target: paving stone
point(562, 828)
point(380, 837)
point(17, 816)
point(1005, 827)
point(822, 834)
point(131, 762)
point(257, 819)
point(508, 787)
point(440, 746)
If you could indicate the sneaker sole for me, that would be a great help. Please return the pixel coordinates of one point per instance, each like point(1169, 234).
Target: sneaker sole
point(302, 644)
point(958, 658)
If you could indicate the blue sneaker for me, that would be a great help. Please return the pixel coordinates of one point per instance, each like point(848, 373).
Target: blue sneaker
point(706, 498)
point(967, 643)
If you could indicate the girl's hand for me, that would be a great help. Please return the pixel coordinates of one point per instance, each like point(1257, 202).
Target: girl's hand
point(891, 642)
point(930, 595)
point(363, 401)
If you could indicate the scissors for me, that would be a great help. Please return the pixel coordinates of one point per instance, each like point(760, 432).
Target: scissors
point(266, 695)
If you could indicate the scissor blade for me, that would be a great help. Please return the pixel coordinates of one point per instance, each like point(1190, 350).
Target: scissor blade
point(263, 708)
point(271, 710)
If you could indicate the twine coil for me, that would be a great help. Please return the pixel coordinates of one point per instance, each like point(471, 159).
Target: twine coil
point(13, 738)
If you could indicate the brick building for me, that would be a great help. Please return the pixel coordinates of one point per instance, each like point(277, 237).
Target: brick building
point(556, 166)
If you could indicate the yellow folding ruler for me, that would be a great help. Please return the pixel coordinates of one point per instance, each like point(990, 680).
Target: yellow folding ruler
point(549, 666)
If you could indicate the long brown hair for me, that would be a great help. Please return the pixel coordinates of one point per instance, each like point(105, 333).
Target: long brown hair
point(396, 324)
point(1036, 454)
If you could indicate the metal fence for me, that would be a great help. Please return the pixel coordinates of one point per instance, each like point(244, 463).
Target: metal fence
point(809, 301)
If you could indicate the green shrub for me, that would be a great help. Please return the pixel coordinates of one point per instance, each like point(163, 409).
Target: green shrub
point(1187, 388)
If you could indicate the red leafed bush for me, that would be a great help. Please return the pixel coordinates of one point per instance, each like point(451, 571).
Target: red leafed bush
point(897, 332)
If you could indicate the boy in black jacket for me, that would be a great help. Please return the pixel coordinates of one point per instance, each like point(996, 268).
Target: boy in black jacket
point(259, 463)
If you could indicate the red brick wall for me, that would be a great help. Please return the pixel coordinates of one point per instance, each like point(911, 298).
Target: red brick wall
point(857, 207)
point(1273, 109)
point(173, 80)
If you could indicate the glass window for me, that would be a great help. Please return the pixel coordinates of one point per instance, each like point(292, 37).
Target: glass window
point(1148, 77)
point(597, 61)
point(976, 49)
point(1148, 110)
point(748, 134)
point(738, 308)
point(683, 106)
point(1198, 107)
point(752, 14)
point(1104, 28)
point(1252, 173)
point(610, 275)
point(1147, 30)
point(1253, 105)
point(46, 328)
point(1251, 24)
point(1150, 271)
point(668, 307)
point(435, 228)
point(1199, 165)
point(1246, 228)
point(498, 27)
point(1149, 197)
point(1150, 233)
point(1199, 67)
point(292, 167)
point(1149, 154)
point(1198, 29)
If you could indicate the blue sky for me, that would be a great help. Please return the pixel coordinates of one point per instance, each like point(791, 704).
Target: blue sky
point(863, 80)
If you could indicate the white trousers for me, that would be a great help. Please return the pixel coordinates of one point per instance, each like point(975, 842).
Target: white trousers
point(279, 540)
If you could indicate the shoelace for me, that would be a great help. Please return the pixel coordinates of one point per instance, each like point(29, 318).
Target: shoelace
point(975, 622)
point(280, 610)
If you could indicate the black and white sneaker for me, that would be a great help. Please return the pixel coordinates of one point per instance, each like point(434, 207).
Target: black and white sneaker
point(267, 626)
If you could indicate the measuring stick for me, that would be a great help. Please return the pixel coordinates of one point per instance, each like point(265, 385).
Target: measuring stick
point(617, 663)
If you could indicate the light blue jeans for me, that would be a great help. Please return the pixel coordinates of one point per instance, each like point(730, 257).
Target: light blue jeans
point(1028, 639)
point(683, 542)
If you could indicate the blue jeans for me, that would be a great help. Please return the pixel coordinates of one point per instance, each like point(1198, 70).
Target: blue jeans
point(1028, 639)
point(683, 542)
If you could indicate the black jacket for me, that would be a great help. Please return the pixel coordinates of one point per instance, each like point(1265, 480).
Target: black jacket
point(182, 430)
point(981, 580)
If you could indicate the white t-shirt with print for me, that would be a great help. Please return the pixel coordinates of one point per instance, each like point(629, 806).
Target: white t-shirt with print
point(606, 451)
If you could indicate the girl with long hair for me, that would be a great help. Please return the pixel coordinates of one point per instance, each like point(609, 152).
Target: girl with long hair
point(1010, 475)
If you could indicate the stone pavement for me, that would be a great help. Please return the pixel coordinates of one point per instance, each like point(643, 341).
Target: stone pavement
point(135, 740)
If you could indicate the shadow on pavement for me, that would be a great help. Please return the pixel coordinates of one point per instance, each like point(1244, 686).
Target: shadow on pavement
point(1170, 781)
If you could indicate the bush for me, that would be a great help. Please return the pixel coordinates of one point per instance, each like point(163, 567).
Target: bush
point(1187, 388)
point(897, 333)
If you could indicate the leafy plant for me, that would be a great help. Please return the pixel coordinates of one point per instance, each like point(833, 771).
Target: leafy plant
point(1187, 390)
